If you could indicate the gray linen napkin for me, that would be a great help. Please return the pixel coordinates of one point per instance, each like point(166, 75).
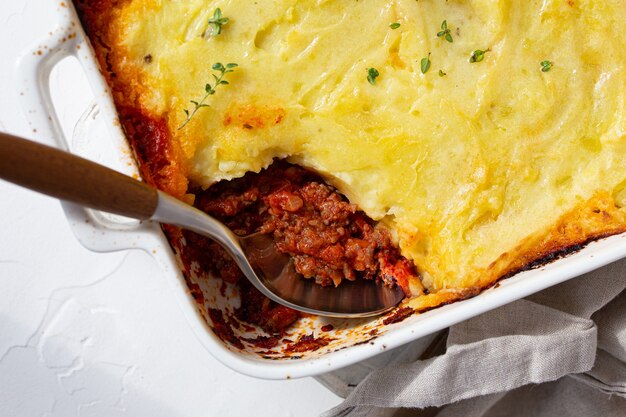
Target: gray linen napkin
point(558, 352)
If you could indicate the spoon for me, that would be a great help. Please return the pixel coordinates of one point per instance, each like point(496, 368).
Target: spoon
point(71, 178)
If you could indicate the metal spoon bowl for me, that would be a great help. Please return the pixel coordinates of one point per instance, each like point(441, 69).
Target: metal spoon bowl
point(68, 177)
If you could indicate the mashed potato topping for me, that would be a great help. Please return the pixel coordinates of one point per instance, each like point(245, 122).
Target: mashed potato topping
point(474, 166)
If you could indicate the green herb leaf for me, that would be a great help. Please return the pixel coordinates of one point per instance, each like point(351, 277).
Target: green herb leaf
point(441, 73)
point(209, 90)
point(478, 55)
point(425, 64)
point(394, 25)
point(445, 33)
point(372, 74)
point(216, 22)
point(546, 66)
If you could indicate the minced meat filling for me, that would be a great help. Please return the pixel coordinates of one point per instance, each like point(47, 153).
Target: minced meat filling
point(328, 238)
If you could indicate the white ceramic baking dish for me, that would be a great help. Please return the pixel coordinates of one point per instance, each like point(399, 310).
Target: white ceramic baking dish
point(347, 343)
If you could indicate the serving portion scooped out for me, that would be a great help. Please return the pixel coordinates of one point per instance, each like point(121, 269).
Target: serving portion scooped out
point(470, 139)
point(328, 238)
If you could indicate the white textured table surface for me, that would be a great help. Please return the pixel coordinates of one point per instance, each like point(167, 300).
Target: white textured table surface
point(85, 334)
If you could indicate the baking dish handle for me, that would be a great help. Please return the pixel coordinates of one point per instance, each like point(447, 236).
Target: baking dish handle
point(96, 231)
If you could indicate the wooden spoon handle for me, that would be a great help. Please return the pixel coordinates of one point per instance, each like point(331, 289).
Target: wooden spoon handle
point(71, 178)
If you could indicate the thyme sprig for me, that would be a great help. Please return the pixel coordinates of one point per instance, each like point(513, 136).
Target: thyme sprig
point(425, 64)
point(444, 33)
point(372, 74)
point(209, 89)
point(478, 55)
point(546, 66)
point(216, 22)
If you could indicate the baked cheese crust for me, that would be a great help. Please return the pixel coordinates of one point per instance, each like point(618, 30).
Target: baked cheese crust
point(478, 168)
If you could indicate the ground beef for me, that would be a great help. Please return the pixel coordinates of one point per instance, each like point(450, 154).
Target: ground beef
point(328, 238)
